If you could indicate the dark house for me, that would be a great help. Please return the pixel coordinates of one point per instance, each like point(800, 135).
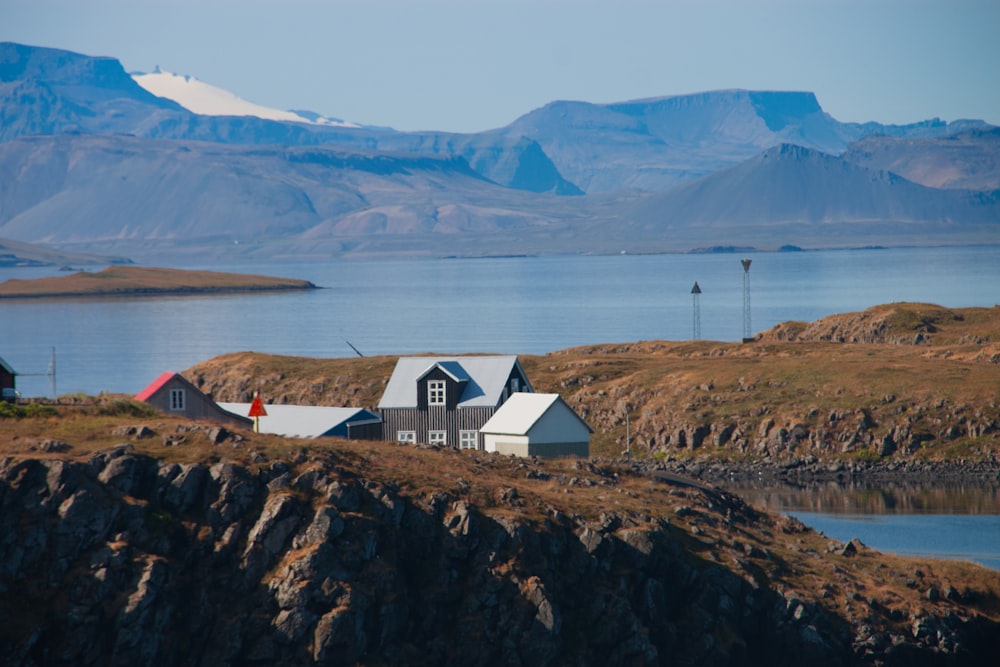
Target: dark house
point(8, 390)
point(446, 400)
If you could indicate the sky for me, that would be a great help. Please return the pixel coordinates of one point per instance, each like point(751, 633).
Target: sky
point(473, 65)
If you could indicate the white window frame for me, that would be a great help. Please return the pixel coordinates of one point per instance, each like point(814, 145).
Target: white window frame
point(178, 400)
point(468, 439)
point(406, 436)
point(436, 392)
point(437, 437)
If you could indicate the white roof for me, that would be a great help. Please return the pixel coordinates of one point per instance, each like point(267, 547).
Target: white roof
point(522, 411)
point(485, 378)
point(297, 421)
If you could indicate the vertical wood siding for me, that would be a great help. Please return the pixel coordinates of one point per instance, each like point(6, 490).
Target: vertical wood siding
point(437, 418)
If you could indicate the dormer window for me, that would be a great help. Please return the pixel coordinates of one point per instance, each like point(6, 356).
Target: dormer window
point(435, 392)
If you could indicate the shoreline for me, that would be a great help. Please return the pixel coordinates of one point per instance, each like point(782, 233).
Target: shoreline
point(144, 291)
point(804, 472)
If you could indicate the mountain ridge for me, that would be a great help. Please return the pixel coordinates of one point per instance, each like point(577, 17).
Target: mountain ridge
point(651, 175)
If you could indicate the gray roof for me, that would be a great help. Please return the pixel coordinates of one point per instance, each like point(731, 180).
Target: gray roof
point(300, 421)
point(484, 376)
point(6, 367)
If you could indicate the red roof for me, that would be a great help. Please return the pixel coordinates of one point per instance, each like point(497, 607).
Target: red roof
point(155, 386)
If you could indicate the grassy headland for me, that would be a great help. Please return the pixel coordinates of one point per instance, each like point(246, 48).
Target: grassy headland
point(899, 381)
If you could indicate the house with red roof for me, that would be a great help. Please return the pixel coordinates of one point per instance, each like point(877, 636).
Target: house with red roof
point(174, 394)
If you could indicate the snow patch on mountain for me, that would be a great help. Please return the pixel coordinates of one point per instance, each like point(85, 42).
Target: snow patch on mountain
point(202, 98)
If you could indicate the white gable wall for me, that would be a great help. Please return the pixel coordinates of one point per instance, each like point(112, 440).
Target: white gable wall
point(557, 432)
point(559, 424)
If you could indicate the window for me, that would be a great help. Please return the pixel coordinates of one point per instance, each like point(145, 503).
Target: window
point(177, 400)
point(437, 437)
point(468, 439)
point(406, 436)
point(515, 385)
point(435, 392)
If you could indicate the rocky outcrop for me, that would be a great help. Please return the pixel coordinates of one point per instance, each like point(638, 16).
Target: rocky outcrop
point(126, 560)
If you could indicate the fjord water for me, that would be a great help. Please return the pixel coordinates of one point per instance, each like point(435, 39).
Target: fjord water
point(516, 305)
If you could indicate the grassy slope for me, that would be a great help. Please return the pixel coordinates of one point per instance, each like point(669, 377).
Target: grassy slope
point(797, 373)
point(134, 280)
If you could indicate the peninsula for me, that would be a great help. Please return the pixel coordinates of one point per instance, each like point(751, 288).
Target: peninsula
point(145, 281)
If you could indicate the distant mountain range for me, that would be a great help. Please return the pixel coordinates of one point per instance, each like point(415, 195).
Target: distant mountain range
point(95, 162)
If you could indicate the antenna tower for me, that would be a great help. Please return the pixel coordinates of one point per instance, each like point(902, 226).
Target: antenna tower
point(696, 298)
point(746, 299)
point(50, 373)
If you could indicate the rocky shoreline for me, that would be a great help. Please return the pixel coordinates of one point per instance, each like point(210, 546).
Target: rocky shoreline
point(810, 470)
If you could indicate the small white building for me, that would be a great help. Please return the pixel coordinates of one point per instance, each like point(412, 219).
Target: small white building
point(536, 425)
point(308, 421)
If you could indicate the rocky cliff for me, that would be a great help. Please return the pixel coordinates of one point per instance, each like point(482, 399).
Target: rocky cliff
point(163, 552)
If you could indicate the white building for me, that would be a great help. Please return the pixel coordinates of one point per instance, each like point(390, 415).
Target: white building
point(308, 421)
point(536, 425)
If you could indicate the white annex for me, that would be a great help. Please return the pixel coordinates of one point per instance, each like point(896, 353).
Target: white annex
point(536, 425)
point(303, 421)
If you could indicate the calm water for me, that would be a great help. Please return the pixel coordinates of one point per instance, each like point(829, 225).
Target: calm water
point(951, 518)
point(524, 305)
point(954, 536)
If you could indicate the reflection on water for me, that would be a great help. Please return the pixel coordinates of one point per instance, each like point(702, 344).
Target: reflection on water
point(977, 496)
point(952, 519)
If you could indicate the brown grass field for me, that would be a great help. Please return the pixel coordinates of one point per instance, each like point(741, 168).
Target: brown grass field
point(853, 366)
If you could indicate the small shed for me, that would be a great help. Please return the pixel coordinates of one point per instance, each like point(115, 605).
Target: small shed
point(174, 394)
point(537, 425)
point(8, 390)
point(309, 421)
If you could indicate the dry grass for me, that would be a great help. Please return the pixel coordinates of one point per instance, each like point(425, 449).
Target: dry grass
point(952, 377)
point(134, 280)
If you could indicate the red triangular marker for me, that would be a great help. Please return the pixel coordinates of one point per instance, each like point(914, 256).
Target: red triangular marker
point(257, 407)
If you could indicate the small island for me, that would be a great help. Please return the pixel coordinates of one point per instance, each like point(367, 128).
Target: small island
point(145, 281)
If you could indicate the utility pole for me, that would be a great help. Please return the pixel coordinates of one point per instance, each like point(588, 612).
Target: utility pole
point(628, 436)
point(696, 297)
point(746, 299)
